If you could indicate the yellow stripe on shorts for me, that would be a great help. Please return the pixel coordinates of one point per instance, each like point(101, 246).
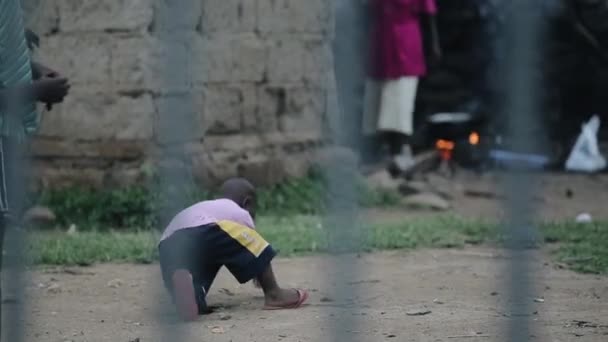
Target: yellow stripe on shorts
point(247, 237)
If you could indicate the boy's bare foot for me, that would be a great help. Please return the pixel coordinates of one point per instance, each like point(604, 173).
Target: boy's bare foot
point(285, 299)
point(278, 298)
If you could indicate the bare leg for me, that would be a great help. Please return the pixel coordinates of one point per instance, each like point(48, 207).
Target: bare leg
point(184, 295)
point(273, 294)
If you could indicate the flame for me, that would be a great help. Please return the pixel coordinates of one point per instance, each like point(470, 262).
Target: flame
point(474, 138)
point(445, 145)
point(445, 148)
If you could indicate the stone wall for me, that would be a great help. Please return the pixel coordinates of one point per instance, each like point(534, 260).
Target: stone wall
point(256, 71)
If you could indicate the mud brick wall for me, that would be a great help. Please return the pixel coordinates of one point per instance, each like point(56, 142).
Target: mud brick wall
point(257, 72)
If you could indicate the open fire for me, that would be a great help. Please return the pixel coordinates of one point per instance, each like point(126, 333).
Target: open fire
point(474, 138)
point(446, 147)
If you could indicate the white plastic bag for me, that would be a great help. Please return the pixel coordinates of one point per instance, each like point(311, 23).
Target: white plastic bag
point(585, 155)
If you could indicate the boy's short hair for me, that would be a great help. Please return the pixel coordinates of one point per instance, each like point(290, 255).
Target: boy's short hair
point(237, 189)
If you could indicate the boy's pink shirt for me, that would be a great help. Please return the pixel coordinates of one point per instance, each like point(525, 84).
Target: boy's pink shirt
point(208, 212)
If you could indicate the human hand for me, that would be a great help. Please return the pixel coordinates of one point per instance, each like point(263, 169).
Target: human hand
point(50, 90)
point(46, 72)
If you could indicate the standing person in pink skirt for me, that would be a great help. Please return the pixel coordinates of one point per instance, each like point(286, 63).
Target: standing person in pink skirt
point(397, 63)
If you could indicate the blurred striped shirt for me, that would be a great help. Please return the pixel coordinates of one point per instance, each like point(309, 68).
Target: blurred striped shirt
point(15, 69)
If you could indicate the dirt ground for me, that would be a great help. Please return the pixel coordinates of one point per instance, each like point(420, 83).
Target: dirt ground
point(462, 290)
point(558, 196)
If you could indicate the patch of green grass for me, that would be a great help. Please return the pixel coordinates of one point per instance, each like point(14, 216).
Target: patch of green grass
point(437, 232)
point(291, 236)
point(85, 248)
point(139, 207)
point(377, 198)
point(583, 247)
point(303, 196)
point(130, 207)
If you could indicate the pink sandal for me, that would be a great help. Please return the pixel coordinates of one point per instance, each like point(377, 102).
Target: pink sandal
point(302, 297)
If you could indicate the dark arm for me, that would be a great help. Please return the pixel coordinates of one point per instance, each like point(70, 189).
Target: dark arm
point(46, 90)
point(40, 70)
point(48, 86)
point(435, 41)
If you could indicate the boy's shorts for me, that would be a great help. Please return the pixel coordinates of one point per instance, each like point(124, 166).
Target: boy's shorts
point(204, 250)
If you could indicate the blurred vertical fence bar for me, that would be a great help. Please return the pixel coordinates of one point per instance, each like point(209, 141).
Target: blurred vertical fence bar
point(14, 281)
point(343, 225)
point(176, 119)
point(14, 296)
point(520, 53)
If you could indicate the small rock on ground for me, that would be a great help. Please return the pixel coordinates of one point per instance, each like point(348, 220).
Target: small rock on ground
point(426, 200)
point(422, 312)
point(115, 283)
point(39, 215)
point(382, 180)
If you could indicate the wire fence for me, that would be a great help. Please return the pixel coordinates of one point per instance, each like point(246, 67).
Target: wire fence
point(14, 276)
point(344, 226)
point(14, 280)
point(343, 222)
point(523, 51)
point(177, 117)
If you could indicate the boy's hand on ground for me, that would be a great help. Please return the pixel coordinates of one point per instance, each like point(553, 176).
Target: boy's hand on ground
point(50, 90)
